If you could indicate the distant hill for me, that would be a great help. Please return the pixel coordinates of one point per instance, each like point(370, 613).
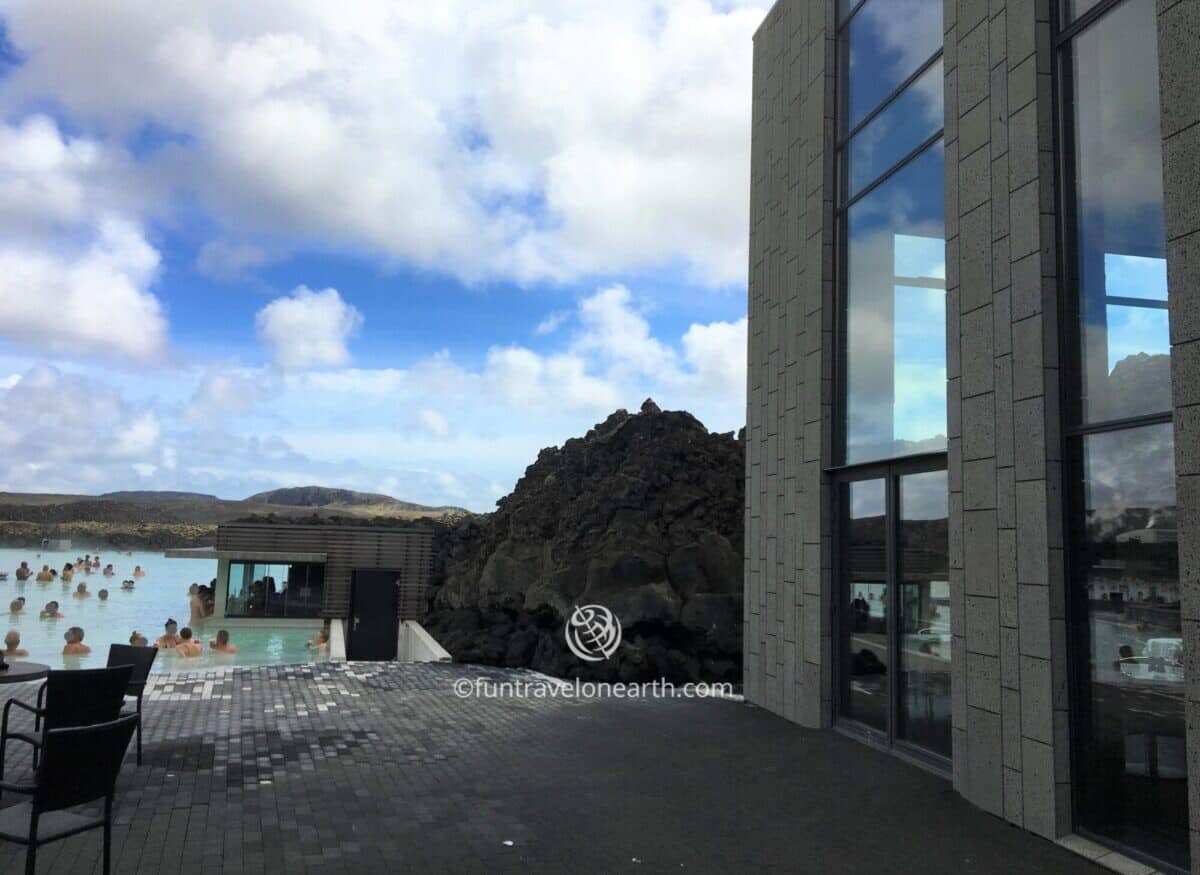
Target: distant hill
point(324, 496)
point(151, 494)
point(168, 518)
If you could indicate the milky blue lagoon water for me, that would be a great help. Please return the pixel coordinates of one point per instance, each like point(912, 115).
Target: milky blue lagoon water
point(162, 593)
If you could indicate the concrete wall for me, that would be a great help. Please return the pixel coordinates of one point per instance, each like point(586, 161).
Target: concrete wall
point(1011, 739)
point(788, 644)
point(1179, 75)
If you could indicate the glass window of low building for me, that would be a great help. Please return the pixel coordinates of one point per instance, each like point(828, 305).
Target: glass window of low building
point(275, 589)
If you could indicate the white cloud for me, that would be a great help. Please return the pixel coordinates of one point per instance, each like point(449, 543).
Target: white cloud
point(224, 392)
point(44, 448)
point(94, 300)
point(717, 355)
point(524, 140)
point(43, 175)
point(433, 423)
point(551, 323)
point(308, 329)
point(230, 262)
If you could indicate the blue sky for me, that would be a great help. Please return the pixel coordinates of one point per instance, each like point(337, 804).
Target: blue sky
point(391, 247)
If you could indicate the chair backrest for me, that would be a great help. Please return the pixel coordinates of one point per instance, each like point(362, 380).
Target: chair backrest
point(141, 658)
point(85, 697)
point(79, 764)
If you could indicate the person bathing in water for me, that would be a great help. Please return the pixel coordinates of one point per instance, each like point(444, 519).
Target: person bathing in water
point(108, 570)
point(169, 639)
point(127, 584)
point(321, 645)
point(75, 645)
point(137, 571)
point(16, 606)
point(12, 644)
point(24, 572)
point(67, 573)
point(81, 592)
point(221, 643)
point(45, 575)
point(102, 595)
point(50, 612)
point(188, 646)
point(137, 639)
point(195, 605)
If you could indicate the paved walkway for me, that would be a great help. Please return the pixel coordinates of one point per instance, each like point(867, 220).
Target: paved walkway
point(381, 768)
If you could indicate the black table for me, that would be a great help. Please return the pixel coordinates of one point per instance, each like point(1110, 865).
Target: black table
point(20, 672)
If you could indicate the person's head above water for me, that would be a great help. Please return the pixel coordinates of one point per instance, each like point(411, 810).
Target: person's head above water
point(103, 594)
point(186, 633)
point(170, 626)
point(15, 606)
point(137, 639)
point(81, 588)
point(12, 639)
point(51, 608)
point(223, 637)
point(73, 635)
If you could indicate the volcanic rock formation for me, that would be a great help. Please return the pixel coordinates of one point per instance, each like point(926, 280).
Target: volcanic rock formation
point(642, 515)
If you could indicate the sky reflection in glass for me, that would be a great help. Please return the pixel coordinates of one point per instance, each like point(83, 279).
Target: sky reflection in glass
point(895, 315)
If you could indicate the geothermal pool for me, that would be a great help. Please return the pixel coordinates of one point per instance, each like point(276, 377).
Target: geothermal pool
point(162, 593)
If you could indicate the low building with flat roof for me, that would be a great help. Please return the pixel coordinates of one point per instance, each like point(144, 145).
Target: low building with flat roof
point(369, 580)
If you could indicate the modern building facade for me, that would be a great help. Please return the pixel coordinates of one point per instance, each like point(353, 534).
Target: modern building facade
point(973, 422)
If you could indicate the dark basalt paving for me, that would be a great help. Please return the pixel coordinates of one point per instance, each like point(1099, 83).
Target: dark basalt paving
point(370, 768)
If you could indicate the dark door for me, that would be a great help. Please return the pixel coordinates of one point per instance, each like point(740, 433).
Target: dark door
point(373, 615)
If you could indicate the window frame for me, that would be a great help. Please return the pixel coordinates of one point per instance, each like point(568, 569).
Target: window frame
point(1071, 368)
point(842, 204)
point(266, 615)
point(890, 469)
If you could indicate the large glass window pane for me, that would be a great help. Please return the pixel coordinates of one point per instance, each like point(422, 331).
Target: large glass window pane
point(1076, 8)
point(909, 120)
point(1132, 769)
point(895, 355)
point(888, 41)
point(864, 607)
point(239, 583)
point(274, 589)
point(924, 622)
point(1119, 216)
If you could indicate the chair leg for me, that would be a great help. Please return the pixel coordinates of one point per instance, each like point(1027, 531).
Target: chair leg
point(107, 833)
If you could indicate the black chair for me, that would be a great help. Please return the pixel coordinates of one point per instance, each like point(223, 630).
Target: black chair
point(141, 658)
point(79, 765)
point(83, 697)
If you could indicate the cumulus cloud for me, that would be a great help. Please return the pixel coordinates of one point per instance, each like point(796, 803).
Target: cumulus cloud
point(75, 270)
point(553, 141)
point(44, 176)
point(224, 392)
point(308, 329)
point(43, 447)
point(94, 299)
